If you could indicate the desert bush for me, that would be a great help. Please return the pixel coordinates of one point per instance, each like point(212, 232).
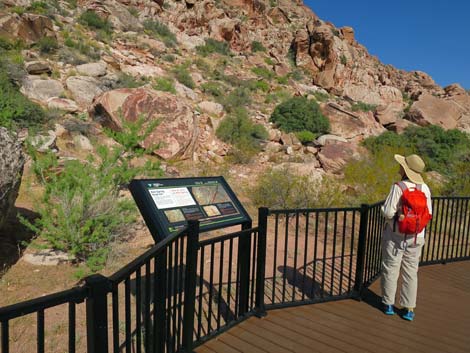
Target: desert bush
point(213, 88)
point(182, 75)
point(283, 189)
point(298, 114)
point(363, 107)
point(239, 97)
point(263, 72)
point(161, 31)
point(244, 135)
point(305, 136)
point(213, 46)
point(128, 81)
point(81, 210)
point(458, 182)
point(257, 85)
point(439, 148)
point(257, 46)
point(92, 20)
point(320, 96)
point(15, 109)
point(282, 80)
point(47, 45)
point(164, 84)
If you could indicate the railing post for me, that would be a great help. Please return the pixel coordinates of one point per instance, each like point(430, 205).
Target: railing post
point(361, 252)
point(244, 251)
point(160, 288)
point(97, 313)
point(190, 285)
point(261, 261)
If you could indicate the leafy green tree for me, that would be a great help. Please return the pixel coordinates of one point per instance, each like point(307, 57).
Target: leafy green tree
point(82, 210)
point(298, 114)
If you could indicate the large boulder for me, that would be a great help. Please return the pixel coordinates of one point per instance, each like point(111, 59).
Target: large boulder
point(333, 157)
point(40, 90)
point(83, 89)
point(11, 170)
point(430, 110)
point(176, 134)
point(92, 69)
point(28, 27)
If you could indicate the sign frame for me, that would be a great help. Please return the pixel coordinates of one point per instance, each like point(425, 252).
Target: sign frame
point(160, 200)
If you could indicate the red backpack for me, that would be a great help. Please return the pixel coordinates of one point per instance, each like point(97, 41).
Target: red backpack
point(415, 209)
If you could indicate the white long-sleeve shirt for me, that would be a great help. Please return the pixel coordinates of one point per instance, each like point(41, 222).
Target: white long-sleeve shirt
point(393, 204)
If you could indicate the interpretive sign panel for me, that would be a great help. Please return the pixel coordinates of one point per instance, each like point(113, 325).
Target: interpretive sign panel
point(167, 204)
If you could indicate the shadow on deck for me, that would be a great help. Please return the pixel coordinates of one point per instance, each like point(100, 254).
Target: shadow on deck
point(442, 322)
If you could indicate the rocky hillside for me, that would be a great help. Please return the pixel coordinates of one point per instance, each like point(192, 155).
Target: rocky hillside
point(178, 61)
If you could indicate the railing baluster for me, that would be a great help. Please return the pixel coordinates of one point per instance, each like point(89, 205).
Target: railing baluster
point(307, 219)
point(315, 247)
point(181, 290)
point(40, 329)
point(335, 229)
point(253, 270)
point(147, 307)
point(459, 231)
point(296, 244)
point(138, 310)
point(127, 298)
point(343, 241)
point(211, 289)
point(466, 230)
point(353, 231)
point(5, 337)
point(115, 308)
point(221, 272)
point(201, 292)
point(72, 323)
point(230, 268)
point(325, 244)
point(276, 231)
point(284, 266)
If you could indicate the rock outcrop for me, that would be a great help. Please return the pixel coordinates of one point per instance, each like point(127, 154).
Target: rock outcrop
point(11, 170)
point(28, 27)
point(177, 131)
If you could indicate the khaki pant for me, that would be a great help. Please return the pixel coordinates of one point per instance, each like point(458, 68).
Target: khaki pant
point(396, 253)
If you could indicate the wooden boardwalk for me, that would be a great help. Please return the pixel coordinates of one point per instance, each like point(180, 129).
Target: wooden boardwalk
point(442, 323)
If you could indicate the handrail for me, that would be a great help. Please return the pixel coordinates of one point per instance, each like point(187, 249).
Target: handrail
point(311, 210)
point(124, 272)
point(228, 236)
point(75, 295)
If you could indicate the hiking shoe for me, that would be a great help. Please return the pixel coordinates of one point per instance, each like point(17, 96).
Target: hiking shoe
point(388, 309)
point(409, 315)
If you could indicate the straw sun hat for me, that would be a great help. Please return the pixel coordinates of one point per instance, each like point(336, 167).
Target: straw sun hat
point(413, 166)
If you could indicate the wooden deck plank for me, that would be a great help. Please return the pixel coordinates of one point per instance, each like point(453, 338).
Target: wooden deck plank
point(442, 322)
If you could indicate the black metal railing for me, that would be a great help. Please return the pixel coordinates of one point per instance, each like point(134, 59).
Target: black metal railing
point(183, 291)
point(312, 255)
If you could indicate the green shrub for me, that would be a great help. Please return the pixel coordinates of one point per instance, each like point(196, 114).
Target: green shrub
point(458, 182)
point(133, 11)
point(439, 148)
point(202, 65)
point(213, 46)
point(344, 59)
point(47, 45)
point(239, 97)
point(39, 7)
point(298, 114)
point(92, 20)
point(213, 88)
point(161, 31)
point(282, 189)
point(305, 136)
point(238, 130)
point(363, 107)
point(15, 109)
point(257, 46)
point(297, 75)
point(128, 81)
point(320, 96)
point(81, 210)
point(169, 58)
point(282, 80)
point(164, 84)
point(263, 72)
point(269, 61)
point(182, 75)
point(255, 85)
point(19, 10)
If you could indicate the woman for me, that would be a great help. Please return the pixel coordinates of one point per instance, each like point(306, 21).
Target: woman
point(401, 250)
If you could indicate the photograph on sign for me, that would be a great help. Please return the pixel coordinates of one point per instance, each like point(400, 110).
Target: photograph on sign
point(171, 198)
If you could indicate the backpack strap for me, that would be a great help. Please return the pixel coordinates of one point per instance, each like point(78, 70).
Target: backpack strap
point(419, 186)
point(402, 185)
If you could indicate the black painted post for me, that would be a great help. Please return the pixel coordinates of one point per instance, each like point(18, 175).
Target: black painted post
point(263, 212)
point(190, 285)
point(361, 252)
point(244, 251)
point(97, 313)
point(160, 288)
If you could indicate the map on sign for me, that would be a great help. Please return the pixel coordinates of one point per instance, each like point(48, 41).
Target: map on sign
point(169, 204)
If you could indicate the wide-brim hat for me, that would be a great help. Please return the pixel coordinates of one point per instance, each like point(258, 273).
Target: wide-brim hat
point(413, 166)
